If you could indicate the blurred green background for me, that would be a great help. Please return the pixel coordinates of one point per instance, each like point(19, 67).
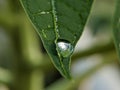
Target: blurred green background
point(25, 65)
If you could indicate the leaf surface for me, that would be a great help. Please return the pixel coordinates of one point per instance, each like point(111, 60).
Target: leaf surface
point(58, 20)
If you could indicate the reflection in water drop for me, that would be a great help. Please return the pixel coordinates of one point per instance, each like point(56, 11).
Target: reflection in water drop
point(65, 49)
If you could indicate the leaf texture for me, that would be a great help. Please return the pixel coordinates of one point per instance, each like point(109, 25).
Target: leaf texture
point(58, 20)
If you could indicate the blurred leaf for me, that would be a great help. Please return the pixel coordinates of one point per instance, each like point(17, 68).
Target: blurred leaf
point(97, 23)
point(60, 24)
point(116, 30)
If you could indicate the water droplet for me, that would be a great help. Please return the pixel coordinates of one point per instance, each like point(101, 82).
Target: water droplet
point(43, 32)
point(64, 48)
point(49, 26)
point(44, 12)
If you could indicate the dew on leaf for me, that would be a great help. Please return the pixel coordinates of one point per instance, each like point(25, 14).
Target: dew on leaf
point(65, 49)
point(49, 26)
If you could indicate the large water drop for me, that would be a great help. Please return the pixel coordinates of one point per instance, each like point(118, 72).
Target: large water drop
point(65, 49)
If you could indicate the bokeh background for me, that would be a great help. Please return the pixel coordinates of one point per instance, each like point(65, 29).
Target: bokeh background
point(25, 65)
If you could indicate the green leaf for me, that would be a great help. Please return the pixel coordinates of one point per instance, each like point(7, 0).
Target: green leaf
point(60, 24)
point(116, 30)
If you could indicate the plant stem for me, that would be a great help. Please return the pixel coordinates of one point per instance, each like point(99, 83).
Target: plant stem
point(29, 76)
point(107, 47)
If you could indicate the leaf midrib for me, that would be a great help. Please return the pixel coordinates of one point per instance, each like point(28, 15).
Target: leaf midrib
point(55, 23)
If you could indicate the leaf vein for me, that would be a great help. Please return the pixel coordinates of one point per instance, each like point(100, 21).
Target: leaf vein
point(55, 19)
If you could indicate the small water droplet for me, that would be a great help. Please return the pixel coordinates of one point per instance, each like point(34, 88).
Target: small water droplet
point(64, 48)
point(44, 12)
point(43, 32)
point(49, 26)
